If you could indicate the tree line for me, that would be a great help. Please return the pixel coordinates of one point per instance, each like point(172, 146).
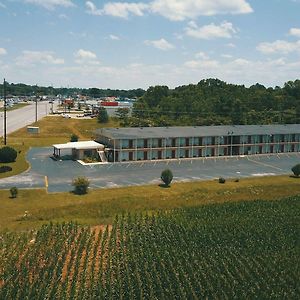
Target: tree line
point(215, 102)
point(21, 89)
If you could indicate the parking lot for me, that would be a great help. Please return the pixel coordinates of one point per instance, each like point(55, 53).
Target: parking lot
point(59, 174)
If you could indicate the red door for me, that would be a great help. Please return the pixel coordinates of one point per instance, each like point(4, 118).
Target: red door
point(159, 154)
point(186, 153)
point(130, 155)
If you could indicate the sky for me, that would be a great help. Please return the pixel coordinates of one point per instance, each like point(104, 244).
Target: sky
point(140, 43)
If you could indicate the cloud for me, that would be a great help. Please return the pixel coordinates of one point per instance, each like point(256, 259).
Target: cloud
point(270, 72)
point(295, 32)
point(161, 44)
point(117, 9)
point(114, 37)
point(63, 17)
point(86, 57)
point(278, 46)
point(231, 45)
point(179, 10)
point(175, 10)
point(211, 31)
point(201, 55)
point(3, 51)
point(226, 55)
point(2, 5)
point(51, 4)
point(202, 64)
point(85, 54)
point(38, 57)
point(92, 9)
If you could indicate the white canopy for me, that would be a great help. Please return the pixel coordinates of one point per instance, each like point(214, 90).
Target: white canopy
point(80, 145)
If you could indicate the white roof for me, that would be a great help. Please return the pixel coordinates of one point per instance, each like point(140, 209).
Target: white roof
point(80, 145)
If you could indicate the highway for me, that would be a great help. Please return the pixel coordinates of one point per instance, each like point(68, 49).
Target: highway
point(24, 116)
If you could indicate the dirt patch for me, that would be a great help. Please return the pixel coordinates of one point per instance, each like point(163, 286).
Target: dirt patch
point(98, 228)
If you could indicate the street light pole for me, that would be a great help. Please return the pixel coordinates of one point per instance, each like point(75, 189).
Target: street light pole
point(4, 97)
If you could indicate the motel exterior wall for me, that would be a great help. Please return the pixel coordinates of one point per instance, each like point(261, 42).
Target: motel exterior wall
point(155, 148)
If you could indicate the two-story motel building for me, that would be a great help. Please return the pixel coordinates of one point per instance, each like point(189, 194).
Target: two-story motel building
point(154, 143)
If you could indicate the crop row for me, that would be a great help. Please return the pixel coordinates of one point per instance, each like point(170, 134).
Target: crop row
point(229, 251)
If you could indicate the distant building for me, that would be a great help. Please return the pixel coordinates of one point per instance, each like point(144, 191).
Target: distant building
point(154, 143)
point(68, 102)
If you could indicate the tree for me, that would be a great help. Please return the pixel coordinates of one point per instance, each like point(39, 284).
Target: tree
point(81, 185)
point(74, 138)
point(166, 176)
point(155, 94)
point(8, 154)
point(296, 170)
point(122, 113)
point(102, 115)
point(13, 192)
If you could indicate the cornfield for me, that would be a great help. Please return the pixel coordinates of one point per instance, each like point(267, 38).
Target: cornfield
point(239, 250)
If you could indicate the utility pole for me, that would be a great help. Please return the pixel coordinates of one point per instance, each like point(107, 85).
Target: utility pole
point(36, 109)
point(4, 96)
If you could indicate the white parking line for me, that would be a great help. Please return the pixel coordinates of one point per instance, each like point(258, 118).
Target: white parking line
point(264, 164)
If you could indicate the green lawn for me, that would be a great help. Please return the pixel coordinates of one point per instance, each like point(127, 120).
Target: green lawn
point(100, 206)
point(16, 106)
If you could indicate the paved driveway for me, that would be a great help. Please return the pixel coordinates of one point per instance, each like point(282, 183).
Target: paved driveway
point(61, 173)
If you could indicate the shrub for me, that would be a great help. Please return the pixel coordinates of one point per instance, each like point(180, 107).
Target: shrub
point(13, 192)
point(4, 169)
point(74, 138)
point(8, 154)
point(222, 180)
point(296, 170)
point(81, 185)
point(166, 176)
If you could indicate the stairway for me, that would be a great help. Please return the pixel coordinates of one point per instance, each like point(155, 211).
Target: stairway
point(102, 156)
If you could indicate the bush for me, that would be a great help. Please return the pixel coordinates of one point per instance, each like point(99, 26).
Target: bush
point(222, 180)
point(296, 170)
point(74, 138)
point(8, 154)
point(4, 169)
point(166, 176)
point(81, 185)
point(13, 192)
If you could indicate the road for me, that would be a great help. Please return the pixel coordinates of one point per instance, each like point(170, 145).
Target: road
point(24, 116)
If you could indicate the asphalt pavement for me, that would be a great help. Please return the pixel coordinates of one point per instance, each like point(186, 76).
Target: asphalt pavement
point(18, 118)
point(59, 174)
